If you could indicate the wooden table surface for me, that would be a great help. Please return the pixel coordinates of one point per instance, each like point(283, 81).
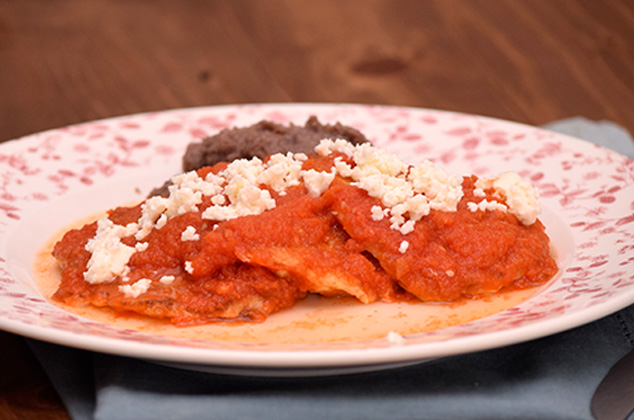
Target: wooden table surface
point(70, 61)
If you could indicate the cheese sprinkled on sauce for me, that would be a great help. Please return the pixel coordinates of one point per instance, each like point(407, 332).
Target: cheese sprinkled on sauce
point(520, 197)
point(395, 339)
point(189, 234)
point(485, 205)
point(377, 213)
point(188, 267)
point(109, 256)
point(407, 194)
point(136, 289)
point(167, 280)
point(317, 182)
point(141, 246)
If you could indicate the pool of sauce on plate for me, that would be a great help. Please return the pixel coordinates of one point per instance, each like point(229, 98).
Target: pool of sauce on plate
point(315, 319)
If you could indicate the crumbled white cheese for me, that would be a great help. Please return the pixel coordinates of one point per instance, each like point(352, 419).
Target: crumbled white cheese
point(167, 280)
point(162, 221)
point(407, 227)
point(211, 185)
point(281, 172)
point(395, 338)
point(181, 201)
point(403, 247)
point(520, 197)
point(408, 193)
point(328, 146)
point(189, 234)
point(390, 190)
point(185, 194)
point(151, 210)
point(136, 289)
point(141, 246)
point(189, 267)
point(415, 207)
point(342, 168)
point(443, 191)
point(249, 169)
point(485, 205)
point(317, 182)
point(370, 160)
point(377, 213)
point(109, 256)
point(218, 199)
point(244, 199)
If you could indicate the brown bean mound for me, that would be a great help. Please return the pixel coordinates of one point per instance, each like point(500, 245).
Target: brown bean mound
point(261, 140)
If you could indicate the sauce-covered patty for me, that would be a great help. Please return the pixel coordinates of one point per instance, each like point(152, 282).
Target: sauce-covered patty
point(244, 239)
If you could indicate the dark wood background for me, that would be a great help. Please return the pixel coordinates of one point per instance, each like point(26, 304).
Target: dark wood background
point(70, 61)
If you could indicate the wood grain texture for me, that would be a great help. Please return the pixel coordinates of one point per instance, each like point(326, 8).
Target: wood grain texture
point(529, 61)
point(69, 61)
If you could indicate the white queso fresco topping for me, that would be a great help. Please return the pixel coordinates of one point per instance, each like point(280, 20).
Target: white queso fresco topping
point(136, 289)
point(189, 234)
point(109, 256)
point(406, 193)
point(521, 198)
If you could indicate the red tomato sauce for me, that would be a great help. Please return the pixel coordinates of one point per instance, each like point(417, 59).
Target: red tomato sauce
point(252, 266)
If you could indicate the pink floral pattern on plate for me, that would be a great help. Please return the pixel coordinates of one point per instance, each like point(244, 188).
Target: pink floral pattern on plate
point(587, 193)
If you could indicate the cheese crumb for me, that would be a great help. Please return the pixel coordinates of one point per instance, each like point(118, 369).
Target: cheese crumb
point(189, 234)
point(245, 200)
point(317, 182)
point(407, 227)
point(151, 210)
point(407, 192)
point(188, 267)
point(141, 246)
point(218, 199)
point(377, 213)
point(327, 146)
point(520, 197)
point(485, 205)
point(162, 221)
point(342, 168)
point(167, 280)
point(136, 289)
point(109, 256)
point(403, 247)
point(395, 338)
point(443, 191)
point(281, 172)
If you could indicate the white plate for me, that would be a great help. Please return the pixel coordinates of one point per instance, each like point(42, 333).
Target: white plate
point(54, 178)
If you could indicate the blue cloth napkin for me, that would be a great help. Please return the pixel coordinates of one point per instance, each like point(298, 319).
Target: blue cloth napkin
point(550, 378)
